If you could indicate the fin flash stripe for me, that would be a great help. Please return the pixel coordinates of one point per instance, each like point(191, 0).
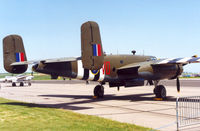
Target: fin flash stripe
point(96, 50)
point(19, 57)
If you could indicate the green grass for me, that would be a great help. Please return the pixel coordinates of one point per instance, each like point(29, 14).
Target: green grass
point(190, 77)
point(19, 116)
point(42, 77)
point(37, 76)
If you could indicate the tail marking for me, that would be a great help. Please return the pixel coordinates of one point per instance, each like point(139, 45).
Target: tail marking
point(96, 50)
point(19, 57)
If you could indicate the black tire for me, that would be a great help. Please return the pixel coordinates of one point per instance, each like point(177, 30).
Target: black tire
point(155, 90)
point(99, 91)
point(160, 91)
point(13, 84)
point(21, 84)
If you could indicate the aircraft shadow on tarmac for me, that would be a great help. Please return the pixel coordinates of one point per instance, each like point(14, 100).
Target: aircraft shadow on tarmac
point(24, 104)
point(31, 105)
point(87, 99)
point(137, 97)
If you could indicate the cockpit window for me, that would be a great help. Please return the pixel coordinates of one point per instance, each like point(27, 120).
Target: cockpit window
point(153, 58)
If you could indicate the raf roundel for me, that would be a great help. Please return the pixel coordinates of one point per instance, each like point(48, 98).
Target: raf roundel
point(95, 72)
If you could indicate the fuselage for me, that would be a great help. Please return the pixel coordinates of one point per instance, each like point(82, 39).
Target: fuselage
point(109, 71)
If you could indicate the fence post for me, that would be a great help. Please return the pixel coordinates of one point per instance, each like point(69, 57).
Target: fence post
point(177, 113)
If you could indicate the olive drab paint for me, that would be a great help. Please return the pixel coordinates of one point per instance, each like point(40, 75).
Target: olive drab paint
point(91, 47)
point(13, 51)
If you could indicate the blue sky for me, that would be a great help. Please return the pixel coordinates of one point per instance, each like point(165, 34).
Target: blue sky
point(51, 28)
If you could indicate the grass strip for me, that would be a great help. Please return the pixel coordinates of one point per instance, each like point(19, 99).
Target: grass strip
point(19, 116)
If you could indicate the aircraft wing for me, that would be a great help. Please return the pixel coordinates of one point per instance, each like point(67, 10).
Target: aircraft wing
point(56, 60)
point(184, 61)
point(20, 76)
point(24, 78)
point(65, 59)
point(133, 68)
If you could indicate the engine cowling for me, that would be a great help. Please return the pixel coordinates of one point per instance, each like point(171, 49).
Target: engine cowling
point(158, 72)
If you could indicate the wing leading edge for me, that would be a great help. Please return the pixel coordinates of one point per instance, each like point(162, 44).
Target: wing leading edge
point(186, 60)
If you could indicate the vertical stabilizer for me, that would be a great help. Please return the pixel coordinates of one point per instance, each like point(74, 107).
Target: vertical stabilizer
point(91, 47)
point(13, 51)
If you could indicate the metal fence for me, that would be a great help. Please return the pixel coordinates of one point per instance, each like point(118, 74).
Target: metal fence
point(187, 111)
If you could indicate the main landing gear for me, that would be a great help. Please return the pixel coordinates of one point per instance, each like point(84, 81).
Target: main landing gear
point(159, 91)
point(21, 84)
point(13, 84)
point(99, 91)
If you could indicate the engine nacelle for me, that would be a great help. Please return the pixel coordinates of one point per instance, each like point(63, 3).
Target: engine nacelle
point(41, 69)
point(38, 67)
point(158, 72)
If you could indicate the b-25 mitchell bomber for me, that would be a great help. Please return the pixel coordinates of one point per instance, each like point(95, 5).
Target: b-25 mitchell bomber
point(94, 65)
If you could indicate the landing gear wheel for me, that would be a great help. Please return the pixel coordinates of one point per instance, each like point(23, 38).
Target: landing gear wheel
point(21, 84)
point(160, 91)
point(29, 84)
point(13, 84)
point(99, 91)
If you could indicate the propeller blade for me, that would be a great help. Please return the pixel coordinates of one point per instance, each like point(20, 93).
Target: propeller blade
point(178, 84)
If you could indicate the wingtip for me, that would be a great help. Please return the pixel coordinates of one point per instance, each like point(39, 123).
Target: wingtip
point(195, 56)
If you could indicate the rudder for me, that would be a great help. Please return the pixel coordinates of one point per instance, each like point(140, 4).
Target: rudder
point(13, 51)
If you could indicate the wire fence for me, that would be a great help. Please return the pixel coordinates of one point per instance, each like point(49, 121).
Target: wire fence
point(187, 111)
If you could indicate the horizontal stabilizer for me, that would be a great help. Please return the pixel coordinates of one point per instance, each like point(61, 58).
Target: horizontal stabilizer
point(66, 59)
point(57, 60)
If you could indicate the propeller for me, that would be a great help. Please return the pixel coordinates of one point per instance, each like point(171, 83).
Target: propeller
point(178, 84)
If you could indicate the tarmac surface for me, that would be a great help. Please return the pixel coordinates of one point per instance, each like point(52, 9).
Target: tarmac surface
point(132, 105)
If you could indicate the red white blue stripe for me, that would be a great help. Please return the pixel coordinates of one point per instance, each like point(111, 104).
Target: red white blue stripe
point(19, 57)
point(96, 50)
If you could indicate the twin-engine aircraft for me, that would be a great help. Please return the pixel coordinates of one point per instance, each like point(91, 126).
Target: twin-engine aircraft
point(94, 65)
